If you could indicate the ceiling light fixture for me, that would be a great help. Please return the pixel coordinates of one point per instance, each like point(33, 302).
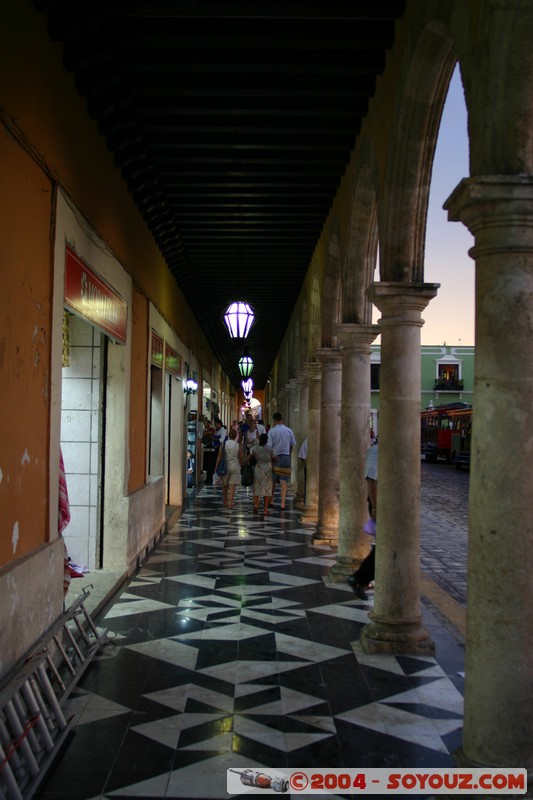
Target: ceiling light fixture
point(245, 364)
point(238, 319)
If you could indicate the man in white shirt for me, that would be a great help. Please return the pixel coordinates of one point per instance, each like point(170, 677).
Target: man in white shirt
point(221, 433)
point(281, 440)
point(219, 438)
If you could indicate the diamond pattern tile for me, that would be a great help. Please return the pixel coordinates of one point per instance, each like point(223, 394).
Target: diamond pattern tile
point(232, 648)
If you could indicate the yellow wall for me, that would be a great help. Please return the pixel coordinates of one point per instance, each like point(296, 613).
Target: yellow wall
point(138, 394)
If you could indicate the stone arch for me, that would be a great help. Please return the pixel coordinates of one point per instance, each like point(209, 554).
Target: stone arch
point(292, 351)
point(360, 260)
point(313, 341)
point(331, 294)
point(303, 335)
point(403, 212)
point(497, 74)
point(296, 357)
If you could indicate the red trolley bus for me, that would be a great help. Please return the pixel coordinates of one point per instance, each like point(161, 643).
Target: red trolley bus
point(445, 432)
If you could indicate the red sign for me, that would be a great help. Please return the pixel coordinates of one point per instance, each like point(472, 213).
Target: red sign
point(172, 361)
point(157, 350)
point(91, 297)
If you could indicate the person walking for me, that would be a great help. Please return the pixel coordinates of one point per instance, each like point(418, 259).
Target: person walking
point(261, 457)
point(219, 438)
point(281, 440)
point(302, 455)
point(220, 432)
point(190, 470)
point(365, 574)
point(210, 453)
point(233, 474)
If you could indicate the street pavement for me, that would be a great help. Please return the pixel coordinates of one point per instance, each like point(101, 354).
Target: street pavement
point(444, 526)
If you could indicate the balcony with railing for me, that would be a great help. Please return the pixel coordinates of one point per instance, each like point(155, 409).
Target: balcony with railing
point(448, 385)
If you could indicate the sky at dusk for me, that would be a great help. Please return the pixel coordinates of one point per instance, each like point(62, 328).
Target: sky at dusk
point(450, 316)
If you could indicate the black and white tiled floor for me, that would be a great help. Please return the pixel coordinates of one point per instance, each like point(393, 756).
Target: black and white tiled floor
point(231, 648)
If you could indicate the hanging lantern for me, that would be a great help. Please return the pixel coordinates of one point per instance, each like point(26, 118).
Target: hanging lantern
point(238, 319)
point(245, 364)
point(247, 386)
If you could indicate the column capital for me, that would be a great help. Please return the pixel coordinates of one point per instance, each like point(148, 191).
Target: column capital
point(312, 370)
point(354, 337)
point(328, 356)
point(493, 189)
point(401, 303)
point(497, 210)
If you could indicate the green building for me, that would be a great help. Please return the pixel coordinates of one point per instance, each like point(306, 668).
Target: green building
point(447, 376)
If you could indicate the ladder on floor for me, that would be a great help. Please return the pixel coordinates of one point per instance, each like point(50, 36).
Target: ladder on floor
point(33, 726)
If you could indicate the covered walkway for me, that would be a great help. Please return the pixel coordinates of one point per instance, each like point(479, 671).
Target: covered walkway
point(232, 648)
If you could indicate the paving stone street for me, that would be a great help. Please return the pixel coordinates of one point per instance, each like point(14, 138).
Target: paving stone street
point(444, 525)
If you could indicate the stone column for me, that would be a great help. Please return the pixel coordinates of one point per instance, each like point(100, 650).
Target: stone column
point(396, 619)
point(294, 423)
point(498, 720)
point(271, 407)
point(299, 500)
point(353, 545)
point(281, 403)
point(327, 531)
point(313, 372)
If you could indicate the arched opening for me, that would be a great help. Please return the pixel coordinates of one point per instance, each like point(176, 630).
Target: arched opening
point(449, 318)
point(361, 258)
point(403, 208)
point(331, 294)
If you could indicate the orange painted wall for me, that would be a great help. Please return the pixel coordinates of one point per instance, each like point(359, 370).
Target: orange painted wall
point(138, 395)
point(25, 324)
point(40, 98)
point(48, 139)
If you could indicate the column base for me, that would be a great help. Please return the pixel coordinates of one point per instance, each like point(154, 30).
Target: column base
point(325, 535)
point(462, 760)
point(343, 568)
point(396, 639)
point(310, 515)
point(299, 502)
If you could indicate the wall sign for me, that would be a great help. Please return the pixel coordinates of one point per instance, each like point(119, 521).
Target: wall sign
point(158, 348)
point(89, 296)
point(172, 361)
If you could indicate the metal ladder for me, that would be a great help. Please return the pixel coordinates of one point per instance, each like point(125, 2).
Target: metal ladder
point(33, 727)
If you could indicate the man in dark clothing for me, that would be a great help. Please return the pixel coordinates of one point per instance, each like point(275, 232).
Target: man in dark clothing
point(366, 572)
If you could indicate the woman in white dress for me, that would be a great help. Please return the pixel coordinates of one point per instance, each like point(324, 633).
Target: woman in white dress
point(262, 455)
point(233, 473)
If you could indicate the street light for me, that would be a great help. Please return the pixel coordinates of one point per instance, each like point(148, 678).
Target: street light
point(190, 386)
point(245, 364)
point(238, 319)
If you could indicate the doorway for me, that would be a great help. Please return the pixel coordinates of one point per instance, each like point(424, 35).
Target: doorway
point(83, 402)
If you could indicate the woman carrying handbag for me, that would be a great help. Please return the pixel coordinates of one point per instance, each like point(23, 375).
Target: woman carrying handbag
point(232, 477)
point(261, 455)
